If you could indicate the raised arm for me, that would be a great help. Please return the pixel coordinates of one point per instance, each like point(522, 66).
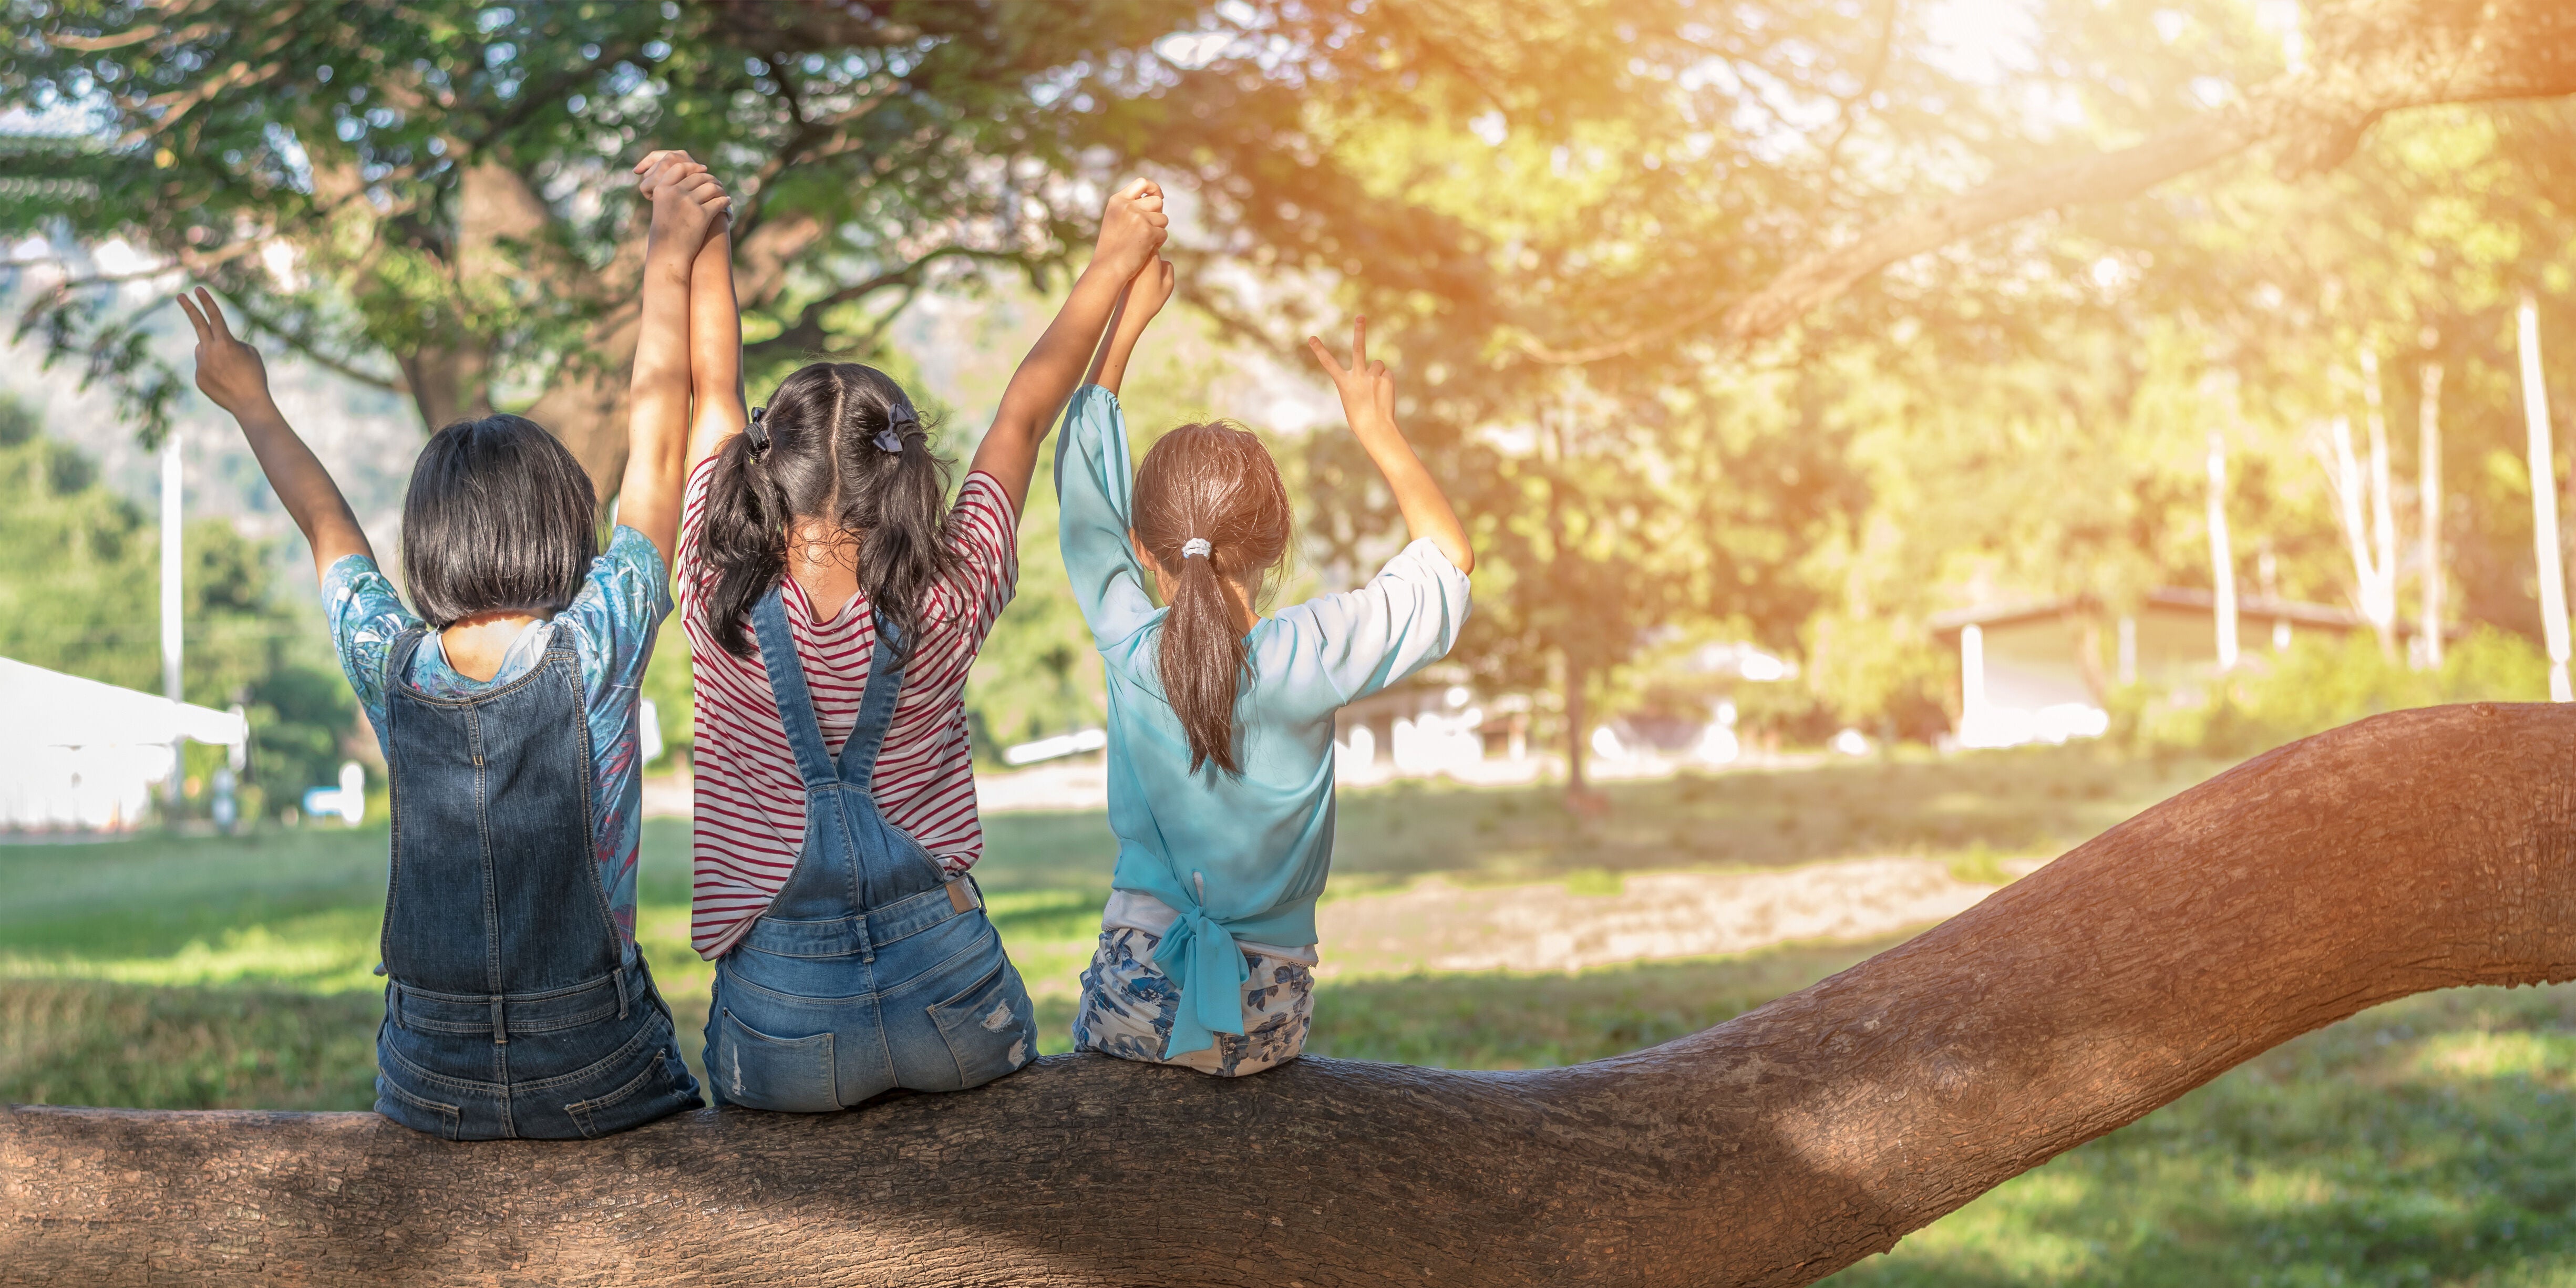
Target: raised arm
point(1368, 403)
point(1146, 294)
point(231, 374)
point(1131, 230)
point(716, 409)
point(687, 203)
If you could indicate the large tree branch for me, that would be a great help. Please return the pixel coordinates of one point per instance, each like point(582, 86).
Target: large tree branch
point(2373, 57)
point(808, 334)
point(2421, 850)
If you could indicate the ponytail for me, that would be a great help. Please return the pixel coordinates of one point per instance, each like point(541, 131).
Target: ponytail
point(739, 542)
point(838, 443)
point(1212, 511)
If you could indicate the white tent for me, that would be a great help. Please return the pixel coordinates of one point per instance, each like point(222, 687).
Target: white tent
point(76, 753)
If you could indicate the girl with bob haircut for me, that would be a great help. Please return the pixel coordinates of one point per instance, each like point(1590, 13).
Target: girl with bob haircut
point(516, 1004)
point(834, 602)
point(1220, 719)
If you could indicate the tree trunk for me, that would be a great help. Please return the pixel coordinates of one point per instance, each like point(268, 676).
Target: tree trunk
point(448, 383)
point(585, 405)
point(1579, 796)
point(2414, 851)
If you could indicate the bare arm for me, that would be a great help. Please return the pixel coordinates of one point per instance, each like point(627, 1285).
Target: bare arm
point(1131, 229)
point(231, 374)
point(1368, 402)
point(715, 351)
point(687, 202)
point(715, 329)
point(1145, 297)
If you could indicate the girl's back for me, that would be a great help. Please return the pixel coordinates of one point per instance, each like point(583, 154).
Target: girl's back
point(1264, 835)
point(750, 818)
point(1221, 723)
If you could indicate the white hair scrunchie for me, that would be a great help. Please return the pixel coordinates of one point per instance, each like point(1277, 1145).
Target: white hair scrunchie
point(1196, 548)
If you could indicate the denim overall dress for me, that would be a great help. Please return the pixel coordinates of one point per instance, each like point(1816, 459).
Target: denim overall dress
point(510, 1007)
point(870, 970)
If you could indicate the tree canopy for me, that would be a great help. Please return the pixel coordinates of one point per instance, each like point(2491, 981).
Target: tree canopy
point(1729, 322)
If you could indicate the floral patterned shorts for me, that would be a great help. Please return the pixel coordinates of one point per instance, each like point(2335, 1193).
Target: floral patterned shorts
point(1128, 1005)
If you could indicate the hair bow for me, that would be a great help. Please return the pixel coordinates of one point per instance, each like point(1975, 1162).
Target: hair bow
point(900, 421)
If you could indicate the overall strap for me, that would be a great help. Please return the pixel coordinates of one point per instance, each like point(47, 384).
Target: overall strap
point(787, 684)
point(398, 657)
point(876, 707)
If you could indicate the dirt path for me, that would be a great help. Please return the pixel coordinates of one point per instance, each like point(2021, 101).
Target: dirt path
point(1434, 925)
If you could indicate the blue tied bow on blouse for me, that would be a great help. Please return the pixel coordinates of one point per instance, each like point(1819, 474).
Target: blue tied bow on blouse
point(1201, 959)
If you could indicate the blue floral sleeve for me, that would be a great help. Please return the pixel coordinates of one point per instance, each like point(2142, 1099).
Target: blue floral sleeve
point(365, 616)
point(622, 602)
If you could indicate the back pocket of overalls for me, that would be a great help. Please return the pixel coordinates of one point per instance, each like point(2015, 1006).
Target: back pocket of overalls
point(790, 1075)
point(417, 1112)
point(989, 1028)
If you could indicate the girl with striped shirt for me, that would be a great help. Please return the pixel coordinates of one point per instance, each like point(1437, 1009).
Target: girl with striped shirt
point(834, 603)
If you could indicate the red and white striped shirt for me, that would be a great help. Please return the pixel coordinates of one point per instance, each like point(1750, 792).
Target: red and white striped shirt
point(750, 821)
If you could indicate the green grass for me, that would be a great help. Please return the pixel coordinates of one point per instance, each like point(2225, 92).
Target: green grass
point(2424, 1142)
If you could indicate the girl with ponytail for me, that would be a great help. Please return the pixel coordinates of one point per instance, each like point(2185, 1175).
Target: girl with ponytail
point(834, 600)
point(1220, 719)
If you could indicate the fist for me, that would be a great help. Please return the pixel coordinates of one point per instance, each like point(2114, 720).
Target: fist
point(1149, 291)
point(688, 204)
point(1132, 228)
point(229, 372)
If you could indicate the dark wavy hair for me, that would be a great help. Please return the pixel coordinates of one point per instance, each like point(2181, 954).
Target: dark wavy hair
point(499, 518)
point(1213, 481)
point(824, 461)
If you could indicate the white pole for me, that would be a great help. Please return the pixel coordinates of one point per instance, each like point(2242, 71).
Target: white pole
point(170, 602)
point(2429, 453)
point(2383, 513)
point(2544, 504)
point(2222, 555)
point(1972, 677)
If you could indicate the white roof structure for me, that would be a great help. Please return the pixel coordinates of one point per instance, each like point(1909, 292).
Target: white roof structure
point(76, 753)
point(51, 709)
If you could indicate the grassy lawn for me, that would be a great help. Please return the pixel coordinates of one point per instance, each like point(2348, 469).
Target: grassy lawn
point(2425, 1142)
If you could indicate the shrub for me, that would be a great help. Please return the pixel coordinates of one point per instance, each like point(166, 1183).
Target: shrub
point(2318, 684)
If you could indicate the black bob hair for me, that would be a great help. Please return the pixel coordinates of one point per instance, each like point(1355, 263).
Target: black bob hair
point(499, 518)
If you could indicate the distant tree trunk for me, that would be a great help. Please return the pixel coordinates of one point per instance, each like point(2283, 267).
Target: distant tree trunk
point(1578, 721)
point(2428, 453)
point(2374, 592)
point(2084, 621)
point(2222, 556)
point(2543, 463)
point(2383, 506)
point(2421, 850)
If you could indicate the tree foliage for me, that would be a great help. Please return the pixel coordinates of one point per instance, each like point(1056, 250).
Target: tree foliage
point(432, 197)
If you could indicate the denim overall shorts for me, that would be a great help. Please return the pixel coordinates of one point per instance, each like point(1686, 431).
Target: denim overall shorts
point(871, 970)
point(512, 1008)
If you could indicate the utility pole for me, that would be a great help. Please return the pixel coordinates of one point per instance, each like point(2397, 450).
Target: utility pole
point(2544, 504)
point(170, 605)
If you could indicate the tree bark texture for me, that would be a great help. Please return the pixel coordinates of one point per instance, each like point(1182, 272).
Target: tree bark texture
point(2371, 57)
point(2420, 850)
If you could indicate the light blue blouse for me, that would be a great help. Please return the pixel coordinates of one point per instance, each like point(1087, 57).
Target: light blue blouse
point(1235, 857)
